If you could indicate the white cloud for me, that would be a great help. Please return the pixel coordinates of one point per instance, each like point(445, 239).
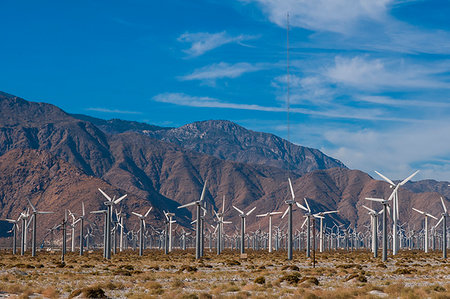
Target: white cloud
point(202, 42)
point(324, 15)
point(331, 112)
point(362, 72)
point(210, 73)
point(396, 151)
point(117, 111)
point(388, 101)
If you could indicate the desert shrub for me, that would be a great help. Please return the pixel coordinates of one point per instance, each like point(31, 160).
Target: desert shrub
point(233, 263)
point(122, 272)
point(310, 279)
point(260, 280)
point(293, 278)
point(402, 271)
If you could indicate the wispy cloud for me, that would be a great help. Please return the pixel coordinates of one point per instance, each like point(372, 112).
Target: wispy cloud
point(394, 151)
point(324, 15)
point(202, 42)
point(332, 112)
point(114, 111)
point(389, 101)
point(209, 74)
point(362, 72)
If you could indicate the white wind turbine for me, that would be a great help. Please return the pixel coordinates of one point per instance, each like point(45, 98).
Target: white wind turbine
point(321, 215)
point(308, 215)
point(72, 226)
point(34, 214)
point(374, 226)
point(243, 216)
point(197, 224)
point(395, 212)
point(270, 225)
point(386, 209)
point(109, 204)
point(169, 217)
point(14, 229)
point(141, 233)
point(290, 202)
point(219, 228)
point(426, 227)
point(444, 229)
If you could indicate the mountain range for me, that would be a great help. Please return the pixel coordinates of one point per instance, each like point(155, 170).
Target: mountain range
point(57, 160)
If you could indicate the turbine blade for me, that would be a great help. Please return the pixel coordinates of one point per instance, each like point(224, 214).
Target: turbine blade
point(148, 212)
point(429, 215)
point(43, 212)
point(98, 212)
point(439, 222)
point(120, 199)
point(223, 205)
point(134, 213)
point(187, 205)
point(241, 212)
point(419, 211)
point(369, 209)
point(262, 215)
point(309, 209)
point(301, 206)
point(330, 212)
point(304, 222)
point(32, 207)
point(443, 205)
point(292, 189)
point(203, 191)
point(375, 199)
point(408, 178)
point(385, 178)
point(82, 207)
point(285, 212)
point(104, 194)
point(251, 211)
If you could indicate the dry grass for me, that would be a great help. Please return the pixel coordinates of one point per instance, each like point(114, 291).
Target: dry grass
point(262, 275)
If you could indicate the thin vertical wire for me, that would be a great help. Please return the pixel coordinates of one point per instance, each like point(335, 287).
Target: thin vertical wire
point(288, 92)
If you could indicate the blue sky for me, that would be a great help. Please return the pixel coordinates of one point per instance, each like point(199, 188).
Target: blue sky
point(369, 78)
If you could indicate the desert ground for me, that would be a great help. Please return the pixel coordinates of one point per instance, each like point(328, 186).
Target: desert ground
point(341, 274)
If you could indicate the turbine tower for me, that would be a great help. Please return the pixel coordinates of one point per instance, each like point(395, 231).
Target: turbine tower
point(321, 215)
point(243, 216)
point(374, 225)
point(426, 227)
point(385, 204)
point(444, 229)
point(395, 213)
point(109, 204)
point(34, 214)
point(141, 233)
point(197, 224)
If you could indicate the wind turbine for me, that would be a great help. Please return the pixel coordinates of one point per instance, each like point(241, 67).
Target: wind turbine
point(82, 228)
point(321, 215)
point(395, 213)
point(141, 233)
point(72, 226)
point(14, 231)
point(444, 229)
point(426, 227)
point(109, 204)
point(374, 225)
point(385, 210)
point(308, 215)
point(270, 225)
point(289, 202)
point(243, 215)
point(197, 224)
point(34, 214)
point(219, 228)
point(169, 217)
